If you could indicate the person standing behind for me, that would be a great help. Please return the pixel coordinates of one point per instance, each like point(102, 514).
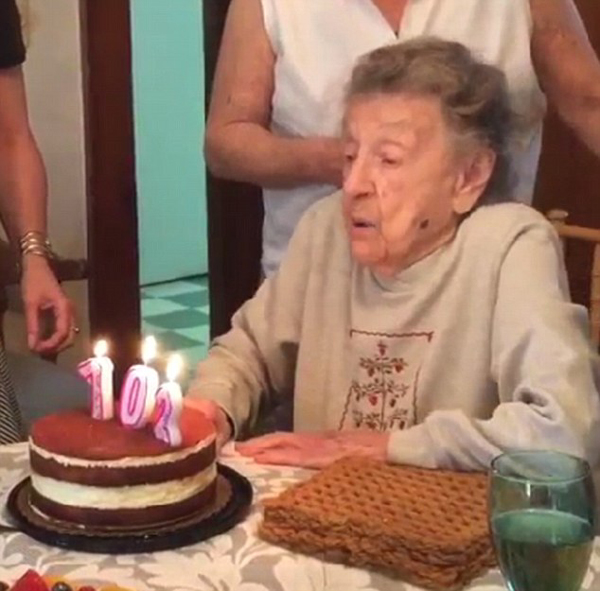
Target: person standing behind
point(274, 118)
point(23, 211)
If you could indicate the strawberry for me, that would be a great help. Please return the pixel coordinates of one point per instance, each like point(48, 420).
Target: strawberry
point(30, 581)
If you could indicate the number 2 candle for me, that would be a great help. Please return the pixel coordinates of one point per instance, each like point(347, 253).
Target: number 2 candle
point(169, 402)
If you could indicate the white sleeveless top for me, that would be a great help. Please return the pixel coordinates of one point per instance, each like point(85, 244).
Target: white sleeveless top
point(317, 42)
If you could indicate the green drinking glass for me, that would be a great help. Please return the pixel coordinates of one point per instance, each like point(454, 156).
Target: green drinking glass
point(542, 519)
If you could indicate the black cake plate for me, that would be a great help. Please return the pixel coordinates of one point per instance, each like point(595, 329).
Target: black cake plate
point(233, 500)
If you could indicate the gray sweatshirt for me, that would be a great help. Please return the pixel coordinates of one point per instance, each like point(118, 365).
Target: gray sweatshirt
point(472, 351)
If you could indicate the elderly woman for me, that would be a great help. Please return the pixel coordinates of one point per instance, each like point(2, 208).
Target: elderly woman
point(276, 102)
point(413, 319)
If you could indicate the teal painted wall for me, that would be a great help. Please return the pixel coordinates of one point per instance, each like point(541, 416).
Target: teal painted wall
point(168, 75)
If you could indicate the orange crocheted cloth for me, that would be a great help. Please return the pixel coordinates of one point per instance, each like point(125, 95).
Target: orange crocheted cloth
point(428, 527)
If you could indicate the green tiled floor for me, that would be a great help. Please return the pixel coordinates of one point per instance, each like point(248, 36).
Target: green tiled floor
point(186, 318)
point(177, 314)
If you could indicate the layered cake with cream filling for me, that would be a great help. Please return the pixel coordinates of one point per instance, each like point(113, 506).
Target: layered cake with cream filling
point(92, 472)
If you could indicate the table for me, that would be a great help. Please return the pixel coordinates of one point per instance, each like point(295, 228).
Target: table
point(235, 561)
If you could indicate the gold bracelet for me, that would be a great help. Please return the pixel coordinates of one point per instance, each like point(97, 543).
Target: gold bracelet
point(36, 243)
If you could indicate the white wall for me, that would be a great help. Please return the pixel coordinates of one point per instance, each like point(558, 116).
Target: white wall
point(53, 75)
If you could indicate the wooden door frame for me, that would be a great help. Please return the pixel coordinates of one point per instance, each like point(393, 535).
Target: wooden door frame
point(113, 286)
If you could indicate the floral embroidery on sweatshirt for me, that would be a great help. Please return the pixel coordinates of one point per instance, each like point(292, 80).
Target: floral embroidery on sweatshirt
point(383, 390)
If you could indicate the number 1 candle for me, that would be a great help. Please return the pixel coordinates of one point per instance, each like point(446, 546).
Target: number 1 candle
point(139, 388)
point(169, 402)
point(98, 372)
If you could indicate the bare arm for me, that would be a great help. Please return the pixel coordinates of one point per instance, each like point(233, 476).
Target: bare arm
point(239, 144)
point(23, 209)
point(22, 174)
point(567, 66)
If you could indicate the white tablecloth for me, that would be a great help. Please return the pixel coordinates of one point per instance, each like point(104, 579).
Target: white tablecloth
point(235, 561)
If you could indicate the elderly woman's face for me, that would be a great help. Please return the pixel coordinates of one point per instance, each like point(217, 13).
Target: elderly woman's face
point(404, 184)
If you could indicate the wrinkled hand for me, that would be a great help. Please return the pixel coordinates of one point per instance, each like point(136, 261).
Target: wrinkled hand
point(314, 450)
point(214, 413)
point(41, 293)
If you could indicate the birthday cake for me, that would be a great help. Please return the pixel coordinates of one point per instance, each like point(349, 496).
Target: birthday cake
point(102, 473)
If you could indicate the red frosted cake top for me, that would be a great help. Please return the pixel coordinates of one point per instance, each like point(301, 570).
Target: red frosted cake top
point(74, 433)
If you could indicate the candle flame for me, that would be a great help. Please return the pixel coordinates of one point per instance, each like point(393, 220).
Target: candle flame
point(149, 349)
point(174, 366)
point(101, 348)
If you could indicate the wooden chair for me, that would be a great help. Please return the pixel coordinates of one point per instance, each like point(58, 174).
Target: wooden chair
point(558, 218)
point(64, 269)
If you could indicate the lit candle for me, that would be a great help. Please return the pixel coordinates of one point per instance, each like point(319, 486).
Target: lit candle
point(138, 392)
point(98, 372)
point(169, 402)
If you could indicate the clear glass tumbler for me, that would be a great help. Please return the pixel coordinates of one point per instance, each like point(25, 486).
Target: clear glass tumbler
point(542, 519)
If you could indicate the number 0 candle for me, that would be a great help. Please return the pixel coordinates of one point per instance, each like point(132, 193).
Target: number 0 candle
point(138, 392)
point(169, 402)
point(98, 372)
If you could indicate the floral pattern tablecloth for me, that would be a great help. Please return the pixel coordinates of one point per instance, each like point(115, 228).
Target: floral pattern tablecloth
point(235, 561)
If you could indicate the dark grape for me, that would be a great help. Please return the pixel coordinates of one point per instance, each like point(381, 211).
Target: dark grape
point(61, 586)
